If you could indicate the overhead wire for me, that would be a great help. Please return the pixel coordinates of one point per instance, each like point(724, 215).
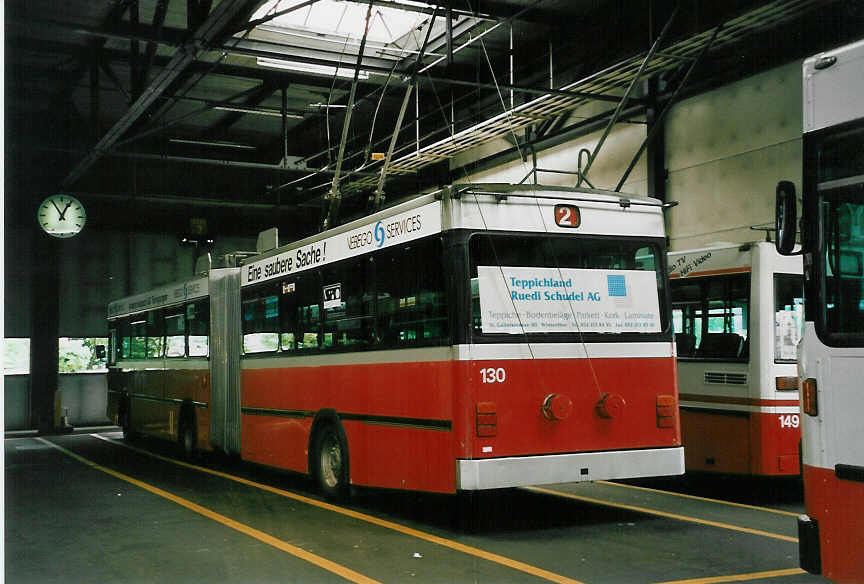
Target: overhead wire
point(558, 268)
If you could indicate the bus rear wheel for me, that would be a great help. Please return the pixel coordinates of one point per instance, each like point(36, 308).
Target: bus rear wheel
point(188, 439)
point(330, 460)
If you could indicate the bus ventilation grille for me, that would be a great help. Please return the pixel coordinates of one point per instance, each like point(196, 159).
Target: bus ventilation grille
point(715, 377)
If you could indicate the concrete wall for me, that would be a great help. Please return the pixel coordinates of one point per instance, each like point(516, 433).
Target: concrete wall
point(725, 152)
point(16, 402)
point(84, 398)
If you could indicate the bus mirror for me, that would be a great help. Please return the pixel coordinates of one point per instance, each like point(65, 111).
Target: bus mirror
point(785, 219)
point(100, 351)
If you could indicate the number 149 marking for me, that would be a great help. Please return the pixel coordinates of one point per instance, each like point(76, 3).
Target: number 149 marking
point(790, 421)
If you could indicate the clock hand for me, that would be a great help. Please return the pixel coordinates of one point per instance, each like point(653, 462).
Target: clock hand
point(63, 212)
point(56, 207)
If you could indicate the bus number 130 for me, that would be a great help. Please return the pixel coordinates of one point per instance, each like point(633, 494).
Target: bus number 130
point(493, 374)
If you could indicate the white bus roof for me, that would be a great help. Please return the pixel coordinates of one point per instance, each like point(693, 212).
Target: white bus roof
point(728, 258)
point(167, 295)
point(833, 84)
point(524, 208)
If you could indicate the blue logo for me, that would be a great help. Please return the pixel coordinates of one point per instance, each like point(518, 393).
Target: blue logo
point(617, 286)
point(379, 234)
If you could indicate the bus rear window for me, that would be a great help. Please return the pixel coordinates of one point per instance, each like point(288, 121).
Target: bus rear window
point(565, 285)
point(711, 317)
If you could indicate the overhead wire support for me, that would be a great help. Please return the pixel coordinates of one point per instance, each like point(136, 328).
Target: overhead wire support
point(659, 121)
point(623, 103)
point(334, 196)
point(379, 191)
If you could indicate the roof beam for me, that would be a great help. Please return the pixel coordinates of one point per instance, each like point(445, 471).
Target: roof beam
point(224, 13)
point(254, 99)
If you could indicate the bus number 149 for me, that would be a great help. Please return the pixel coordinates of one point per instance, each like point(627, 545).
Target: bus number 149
point(790, 421)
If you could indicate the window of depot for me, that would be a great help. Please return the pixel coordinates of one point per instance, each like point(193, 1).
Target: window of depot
point(81, 355)
point(16, 356)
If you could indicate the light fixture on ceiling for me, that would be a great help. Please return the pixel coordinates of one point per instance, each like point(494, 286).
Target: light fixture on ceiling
point(327, 70)
point(215, 143)
point(256, 111)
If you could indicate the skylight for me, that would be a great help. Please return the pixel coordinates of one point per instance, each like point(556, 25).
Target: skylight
point(345, 18)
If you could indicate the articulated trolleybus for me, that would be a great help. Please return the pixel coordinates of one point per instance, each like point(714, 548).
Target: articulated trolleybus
point(738, 313)
point(474, 338)
point(831, 354)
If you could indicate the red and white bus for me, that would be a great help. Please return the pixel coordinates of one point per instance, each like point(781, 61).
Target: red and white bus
point(738, 313)
point(474, 338)
point(831, 354)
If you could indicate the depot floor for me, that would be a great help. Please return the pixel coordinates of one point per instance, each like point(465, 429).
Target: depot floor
point(88, 508)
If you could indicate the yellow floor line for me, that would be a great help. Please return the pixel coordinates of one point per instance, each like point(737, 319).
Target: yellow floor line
point(663, 514)
point(453, 545)
point(317, 560)
point(739, 577)
point(694, 497)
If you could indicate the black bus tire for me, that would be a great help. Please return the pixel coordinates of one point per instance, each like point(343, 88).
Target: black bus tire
point(188, 437)
point(128, 433)
point(330, 462)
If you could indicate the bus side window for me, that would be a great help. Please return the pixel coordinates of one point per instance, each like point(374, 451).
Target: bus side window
point(138, 345)
point(288, 315)
point(175, 334)
point(348, 321)
point(124, 348)
point(261, 322)
point(198, 319)
point(308, 311)
point(155, 334)
point(410, 291)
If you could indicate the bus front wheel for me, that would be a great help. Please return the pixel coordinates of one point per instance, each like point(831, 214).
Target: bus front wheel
point(331, 463)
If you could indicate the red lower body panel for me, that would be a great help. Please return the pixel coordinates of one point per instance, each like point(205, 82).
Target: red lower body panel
point(407, 424)
point(838, 507)
point(740, 442)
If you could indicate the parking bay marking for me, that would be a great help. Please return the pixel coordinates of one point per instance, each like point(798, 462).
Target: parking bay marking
point(453, 545)
point(665, 514)
point(706, 499)
point(315, 559)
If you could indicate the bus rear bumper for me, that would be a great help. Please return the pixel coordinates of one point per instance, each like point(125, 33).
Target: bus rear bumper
point(809, 556)
point(496, 473)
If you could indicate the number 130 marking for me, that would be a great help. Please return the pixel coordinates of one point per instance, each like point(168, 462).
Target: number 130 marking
point(493, 374)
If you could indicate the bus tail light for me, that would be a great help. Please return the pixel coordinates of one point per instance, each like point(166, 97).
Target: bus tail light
point(666, 411)
point(557, 407)
point(786, 383)
point(808, 397)
point(610, 405)
point(487, 419)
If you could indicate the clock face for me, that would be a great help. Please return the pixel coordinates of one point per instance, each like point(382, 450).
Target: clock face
point(61, 216)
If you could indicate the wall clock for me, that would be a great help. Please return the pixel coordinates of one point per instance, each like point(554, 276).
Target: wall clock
point(61, 216)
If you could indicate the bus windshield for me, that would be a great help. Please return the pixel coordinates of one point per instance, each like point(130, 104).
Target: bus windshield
point(839, 182)
point(843, 275)
point(541, 285)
